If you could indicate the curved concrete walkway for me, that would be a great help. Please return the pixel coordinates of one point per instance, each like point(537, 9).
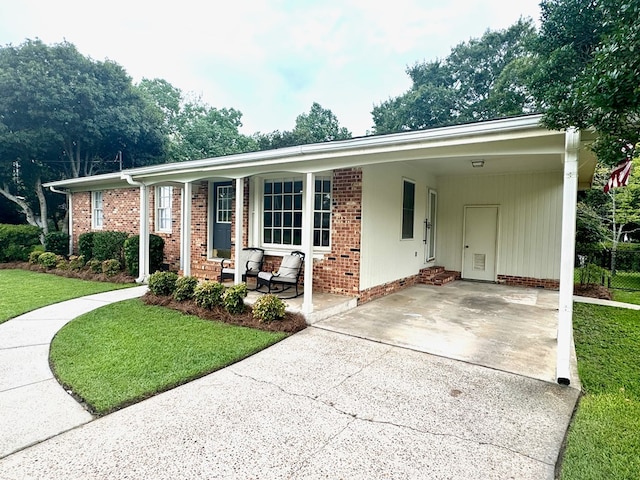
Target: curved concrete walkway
point(33, 405)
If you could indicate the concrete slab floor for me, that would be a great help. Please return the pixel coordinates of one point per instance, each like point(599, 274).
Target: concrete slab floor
point(512, 329)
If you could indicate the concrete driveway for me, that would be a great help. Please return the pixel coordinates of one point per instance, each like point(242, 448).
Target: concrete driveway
point(323, 404)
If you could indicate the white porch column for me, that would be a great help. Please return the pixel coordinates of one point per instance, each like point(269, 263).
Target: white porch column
point(143, 257)
point(565, 308)
point(185, 229)
point(239, 217)
point(307, 243)
point(70, 218)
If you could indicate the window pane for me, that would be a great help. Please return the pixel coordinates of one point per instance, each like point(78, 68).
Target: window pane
point(297, 236)
point(288, 202)
point(316, 238)
point(277, 202)
point(286, 237)
point(267, 235)
point(326, 186)
point(277, 187)
point(277, 219)
point(317, 220)
point(297, 219)
point(288, 187)
point(297, 187)
point(268, 219)
point(297, 202)
point(325, 238)
point(267, 202)
point(408, 203)
point(326, 220)
point(268, 187)
point(318, 186)
point(277, 236)
point(288, 219)
point(317, 201)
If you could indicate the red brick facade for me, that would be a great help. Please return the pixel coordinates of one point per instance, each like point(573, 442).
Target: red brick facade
point(514, 281)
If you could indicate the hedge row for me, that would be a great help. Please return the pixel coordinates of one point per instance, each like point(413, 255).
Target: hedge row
point(18, 241)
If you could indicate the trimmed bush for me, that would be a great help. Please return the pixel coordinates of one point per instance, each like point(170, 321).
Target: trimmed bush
point(17, 242)
point(48, 260)
point(33, 256)
point(268, 308)
point(132, 251)
point(208, 294)
point(62, 263)
point(233, 298)
point(57, 242)
point(85, 245)
point(163, 283)
point(108, 245)
point(76, 262)
point(95, 266)
point(111, 267)
point(185, 287)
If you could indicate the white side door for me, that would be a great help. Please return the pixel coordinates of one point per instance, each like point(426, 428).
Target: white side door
point(480, 243)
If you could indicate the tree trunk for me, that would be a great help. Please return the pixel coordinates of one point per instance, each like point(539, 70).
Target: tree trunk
point(42, 201)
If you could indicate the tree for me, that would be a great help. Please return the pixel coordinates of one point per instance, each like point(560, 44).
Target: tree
point(587, 70)
point(319, 125)
point(194, 129)
point(65, 115)
point(480, 79)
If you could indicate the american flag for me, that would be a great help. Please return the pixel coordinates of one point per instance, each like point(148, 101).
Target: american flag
point(619, 176)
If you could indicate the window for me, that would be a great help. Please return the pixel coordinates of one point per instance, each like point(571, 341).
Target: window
point(431, 225)
point(282, 212)
point(322, 212)
point(224, 197)
point(163, 208)
point(408, 208)
point(97, 212)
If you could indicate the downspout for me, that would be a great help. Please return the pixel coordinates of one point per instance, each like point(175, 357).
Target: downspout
point(143, 252)
point(70, 214)
point(567, 253)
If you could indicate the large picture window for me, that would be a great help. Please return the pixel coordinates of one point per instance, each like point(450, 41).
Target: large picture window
point(97, 210)
point(408, 208)
point(163, 208)
point(282, 211)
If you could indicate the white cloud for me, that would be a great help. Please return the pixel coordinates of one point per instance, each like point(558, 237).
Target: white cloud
point(269, 59)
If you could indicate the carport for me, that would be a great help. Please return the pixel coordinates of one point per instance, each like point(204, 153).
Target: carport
point(512, 329)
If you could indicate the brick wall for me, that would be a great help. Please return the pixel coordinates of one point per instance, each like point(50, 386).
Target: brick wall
point(121, 207)
point(548, 283)
point(339, 271)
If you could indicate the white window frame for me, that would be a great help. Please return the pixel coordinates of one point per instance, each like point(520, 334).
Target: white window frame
point(224, 205)
point(97, 210)
point(163, 199)
point(261, 209)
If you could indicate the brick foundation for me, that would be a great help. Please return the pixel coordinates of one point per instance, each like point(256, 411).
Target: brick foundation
point(511, 280)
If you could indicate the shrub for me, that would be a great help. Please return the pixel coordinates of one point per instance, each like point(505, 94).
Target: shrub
point(48, 260)
point(85, 245)
point(62, 263)
point(95, 265)
point(76, 262)
point(268, 308)
point(208, 294)
point(108, 245)
point(132, 251)
point(233, 298)
point(163, 283)
point(17, 242)
point(57, 242)
point(185, 287)
point(111, 267)
point(33, 256)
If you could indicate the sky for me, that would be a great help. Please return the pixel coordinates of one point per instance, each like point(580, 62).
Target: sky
point(269, 59)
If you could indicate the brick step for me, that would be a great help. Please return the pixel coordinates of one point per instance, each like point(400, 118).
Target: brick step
point(429, 273)
point(441, 278)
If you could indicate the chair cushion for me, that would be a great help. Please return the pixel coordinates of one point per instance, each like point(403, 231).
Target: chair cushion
point(254, 260)
point(228, 270)
point(290, 266)
point(265, 275)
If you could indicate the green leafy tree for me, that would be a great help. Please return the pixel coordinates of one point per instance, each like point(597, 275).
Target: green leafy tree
point(479, 80)
point(63, 115)
point(588, 68)
point(194, 129)
point(319, 125)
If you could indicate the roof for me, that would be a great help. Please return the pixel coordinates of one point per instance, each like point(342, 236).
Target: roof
point(511, 144)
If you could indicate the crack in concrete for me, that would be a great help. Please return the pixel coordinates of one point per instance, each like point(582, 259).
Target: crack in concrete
point(355, 417)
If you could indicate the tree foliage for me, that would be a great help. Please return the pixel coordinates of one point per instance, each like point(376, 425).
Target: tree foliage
point(319, 125)
point(194, 129)
point(63, 115)
point(479, 80)
point(588, 68)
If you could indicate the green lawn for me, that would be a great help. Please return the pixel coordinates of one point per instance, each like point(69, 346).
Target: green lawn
point(22, 291)
point(127, 351)
point(626, 296)
point(604, 437)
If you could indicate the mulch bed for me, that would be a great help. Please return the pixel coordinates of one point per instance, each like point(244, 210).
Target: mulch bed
point(84, 274)
point(592, 290)
point(291, 323)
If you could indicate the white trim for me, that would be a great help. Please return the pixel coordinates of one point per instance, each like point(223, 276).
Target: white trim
point(238, 230)
point(185, 229)
point(307, 241)
point(565, 306)
point(95, 224)
point(158, 207)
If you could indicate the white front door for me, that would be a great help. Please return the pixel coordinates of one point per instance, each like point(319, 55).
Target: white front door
point(480, 240)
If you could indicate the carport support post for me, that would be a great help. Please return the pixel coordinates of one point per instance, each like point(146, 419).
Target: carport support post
point(143, 253)
point(237, 278)
point(565, 310)
point(185, 229)
point(307, 244)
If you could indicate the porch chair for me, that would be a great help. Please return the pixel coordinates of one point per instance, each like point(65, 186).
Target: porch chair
point(287, 275)
point(251, 259)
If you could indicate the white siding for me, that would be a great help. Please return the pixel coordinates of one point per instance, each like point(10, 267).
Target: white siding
point(530, 211)
point(384, 255)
